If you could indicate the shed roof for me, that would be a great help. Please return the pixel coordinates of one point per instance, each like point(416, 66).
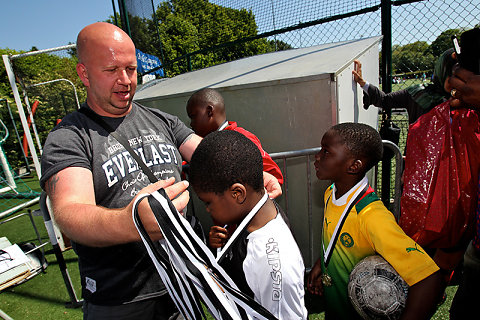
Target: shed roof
point(294, 63)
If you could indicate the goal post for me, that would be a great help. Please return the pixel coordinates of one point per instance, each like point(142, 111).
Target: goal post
point(33, 142)
point(21, 112)
point(53, 81)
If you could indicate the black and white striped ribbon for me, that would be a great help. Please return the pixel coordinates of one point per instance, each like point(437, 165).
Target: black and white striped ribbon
point(189, 270)
point(221, 253)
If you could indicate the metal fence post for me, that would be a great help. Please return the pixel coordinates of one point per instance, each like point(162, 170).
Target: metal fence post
point(386, 72)
point(124, 17)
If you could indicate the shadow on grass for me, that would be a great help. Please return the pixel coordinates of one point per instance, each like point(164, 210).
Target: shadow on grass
point(68, 260)
point(32, 296)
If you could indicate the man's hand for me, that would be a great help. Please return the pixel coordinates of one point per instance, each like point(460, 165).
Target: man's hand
point(271, 184)
point(466, 88)
point(178, 192)
point(173, 190)
point(357, 73)
point(72, 197)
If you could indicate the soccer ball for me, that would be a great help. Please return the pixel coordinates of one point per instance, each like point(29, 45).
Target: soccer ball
point(376, 290)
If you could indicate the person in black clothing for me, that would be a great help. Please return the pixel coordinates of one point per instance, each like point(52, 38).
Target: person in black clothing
point(418, 99)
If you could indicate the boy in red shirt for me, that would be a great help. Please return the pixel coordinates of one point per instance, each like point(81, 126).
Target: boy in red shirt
point(206, 110)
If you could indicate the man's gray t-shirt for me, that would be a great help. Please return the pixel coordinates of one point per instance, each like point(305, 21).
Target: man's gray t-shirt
point(122, 273)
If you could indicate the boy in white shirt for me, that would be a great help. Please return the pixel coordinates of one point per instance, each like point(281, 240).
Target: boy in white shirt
point(263, 260)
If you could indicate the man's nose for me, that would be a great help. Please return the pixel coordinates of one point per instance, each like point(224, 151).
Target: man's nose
point(123, 77)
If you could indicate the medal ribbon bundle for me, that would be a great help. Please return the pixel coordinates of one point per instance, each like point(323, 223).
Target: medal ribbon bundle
point(188, 268)
point(327, 254)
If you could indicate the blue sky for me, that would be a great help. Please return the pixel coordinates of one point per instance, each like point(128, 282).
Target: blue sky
point(47, 23)
point(53, 23)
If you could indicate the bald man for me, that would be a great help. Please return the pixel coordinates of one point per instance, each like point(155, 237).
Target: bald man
point(92, 181)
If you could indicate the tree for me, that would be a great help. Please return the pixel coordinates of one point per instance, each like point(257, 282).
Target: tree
point(444, 41)
point(412, 57)
point(187, 26)
point(179, 37)
point(279, 45)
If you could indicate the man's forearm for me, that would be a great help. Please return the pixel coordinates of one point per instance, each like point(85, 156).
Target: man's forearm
point(75, 211)
point(96, 226)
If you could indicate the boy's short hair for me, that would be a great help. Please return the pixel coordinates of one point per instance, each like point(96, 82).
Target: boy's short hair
point(362, 141)
point(224, 158)
point(207, 95)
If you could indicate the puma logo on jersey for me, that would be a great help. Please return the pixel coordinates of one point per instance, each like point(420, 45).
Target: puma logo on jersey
point(410, 249)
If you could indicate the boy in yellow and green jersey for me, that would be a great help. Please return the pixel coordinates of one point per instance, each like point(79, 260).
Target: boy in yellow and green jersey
point(357, 225)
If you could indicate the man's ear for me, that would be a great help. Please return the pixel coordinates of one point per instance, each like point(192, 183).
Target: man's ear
point(356, 166)
point(238, 192)
point(83, 74)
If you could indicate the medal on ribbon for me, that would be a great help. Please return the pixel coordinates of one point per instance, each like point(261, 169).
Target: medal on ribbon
point(327, 280)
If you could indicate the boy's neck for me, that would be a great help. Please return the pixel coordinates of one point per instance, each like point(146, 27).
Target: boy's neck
point(342, 187)
point(222, 125)
point(219, 120)
point(266, 213)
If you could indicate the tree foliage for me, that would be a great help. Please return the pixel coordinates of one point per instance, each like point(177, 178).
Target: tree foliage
point(187, 26)
point(444, 41)
point(412, 57)
point(420, 56)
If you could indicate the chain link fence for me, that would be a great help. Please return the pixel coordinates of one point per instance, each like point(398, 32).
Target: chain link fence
point(194, 34)
point(421, 31)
